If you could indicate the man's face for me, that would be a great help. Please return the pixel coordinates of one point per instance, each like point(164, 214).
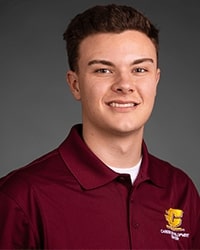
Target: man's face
point(116, 82)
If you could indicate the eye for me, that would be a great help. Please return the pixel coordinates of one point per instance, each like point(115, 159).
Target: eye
point(103, 71)
point(140, 70)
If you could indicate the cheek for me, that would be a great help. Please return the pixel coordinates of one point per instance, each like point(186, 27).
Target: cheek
point(148, 91)
point(93, 92)
point(90, 97)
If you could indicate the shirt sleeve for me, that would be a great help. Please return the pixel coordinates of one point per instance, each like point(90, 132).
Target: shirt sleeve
point(196, 239)
point(15, 228)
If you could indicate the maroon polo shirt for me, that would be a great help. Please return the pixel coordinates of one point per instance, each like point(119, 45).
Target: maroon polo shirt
point(68, 199)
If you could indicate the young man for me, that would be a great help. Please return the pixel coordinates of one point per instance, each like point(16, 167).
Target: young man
point(101, 189)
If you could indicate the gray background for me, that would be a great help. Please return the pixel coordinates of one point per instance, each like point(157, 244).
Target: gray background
point(37, 109)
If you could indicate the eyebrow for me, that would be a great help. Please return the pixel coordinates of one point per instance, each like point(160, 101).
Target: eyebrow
point(141, 60)
point(108, 63)
point(105, 62)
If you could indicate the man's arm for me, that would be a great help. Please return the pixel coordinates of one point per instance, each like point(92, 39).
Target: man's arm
point(15, 228)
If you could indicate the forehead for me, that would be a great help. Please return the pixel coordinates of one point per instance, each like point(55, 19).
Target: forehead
point(117, 46)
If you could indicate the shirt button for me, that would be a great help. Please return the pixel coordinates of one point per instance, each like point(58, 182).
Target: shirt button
point(135, 225)
point(122, 178)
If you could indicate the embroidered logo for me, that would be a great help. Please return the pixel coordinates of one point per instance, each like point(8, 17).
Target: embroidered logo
point(174, 218)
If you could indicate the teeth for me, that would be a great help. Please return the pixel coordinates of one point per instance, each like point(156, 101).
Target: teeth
point(122, 105)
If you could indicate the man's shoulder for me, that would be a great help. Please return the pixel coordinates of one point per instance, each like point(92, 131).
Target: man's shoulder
point(171, 174)
point(41, 171)
point(157, 162)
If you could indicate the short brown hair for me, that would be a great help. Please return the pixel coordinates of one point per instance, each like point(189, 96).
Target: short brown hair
point(110, 18)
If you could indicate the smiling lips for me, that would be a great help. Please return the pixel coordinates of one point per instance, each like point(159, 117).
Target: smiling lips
point(118, 104)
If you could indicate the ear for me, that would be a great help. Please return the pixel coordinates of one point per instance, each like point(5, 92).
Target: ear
point(158, 75)
point(72, 80)
point(157, 78)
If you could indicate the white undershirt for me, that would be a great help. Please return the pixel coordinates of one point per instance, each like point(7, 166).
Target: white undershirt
point(132, 171)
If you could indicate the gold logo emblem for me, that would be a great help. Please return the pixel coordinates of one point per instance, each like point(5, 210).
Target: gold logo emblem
point(174, 219)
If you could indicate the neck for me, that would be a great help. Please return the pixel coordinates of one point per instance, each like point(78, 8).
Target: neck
point(121, 151)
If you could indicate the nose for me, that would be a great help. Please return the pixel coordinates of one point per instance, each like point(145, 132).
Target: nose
point(123, 84)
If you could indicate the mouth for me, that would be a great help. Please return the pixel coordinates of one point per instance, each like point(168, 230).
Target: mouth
point(120, 104)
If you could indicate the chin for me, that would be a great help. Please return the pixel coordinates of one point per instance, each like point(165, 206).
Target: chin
point(128, 130)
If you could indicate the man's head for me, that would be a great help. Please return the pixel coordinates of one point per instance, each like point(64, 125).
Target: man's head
point(105, 19)
point(113, 52)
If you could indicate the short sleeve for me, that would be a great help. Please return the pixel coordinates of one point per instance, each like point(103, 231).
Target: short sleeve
point(16, 232)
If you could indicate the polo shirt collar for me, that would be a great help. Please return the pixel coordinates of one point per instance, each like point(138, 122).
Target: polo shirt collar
point(91, 172)
point(153, 170)
point(86, 167)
